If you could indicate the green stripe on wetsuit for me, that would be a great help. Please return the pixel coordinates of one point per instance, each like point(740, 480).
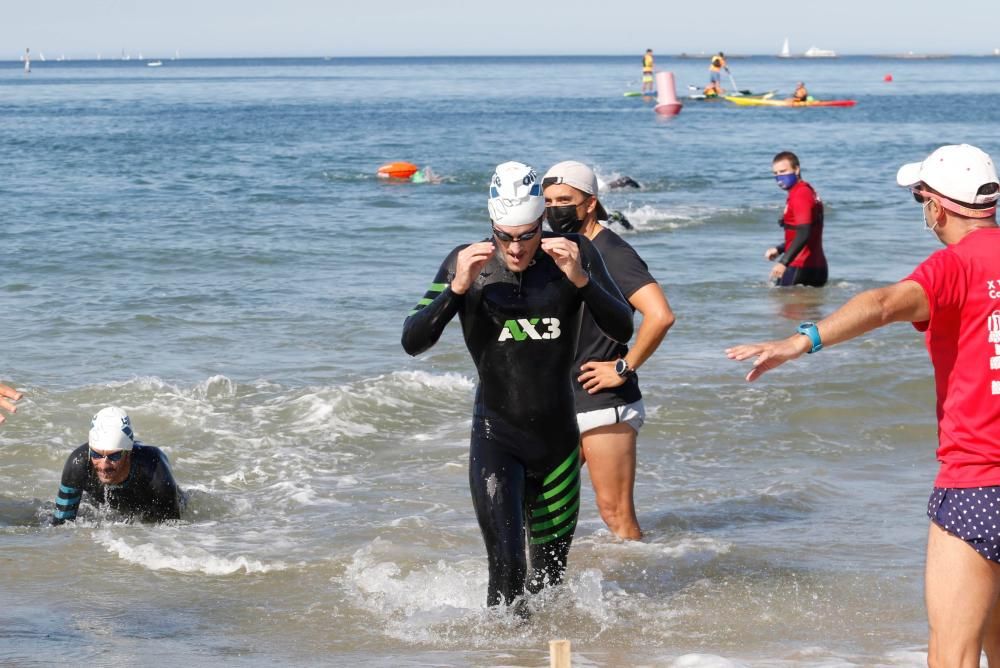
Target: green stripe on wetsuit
point(558, 502)
point(429, 296)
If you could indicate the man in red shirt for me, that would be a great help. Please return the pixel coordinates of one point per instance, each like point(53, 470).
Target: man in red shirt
point(802, 261)
point(954, 297)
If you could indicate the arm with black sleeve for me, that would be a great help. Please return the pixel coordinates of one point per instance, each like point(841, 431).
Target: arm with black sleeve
point(425, 323)
point(610, 310)
point(71, 486)
point(163, 491)
point(798, 243)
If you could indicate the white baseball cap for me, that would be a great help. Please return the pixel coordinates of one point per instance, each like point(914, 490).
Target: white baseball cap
point(956, 171)
point(111, 430)
point(578, 175)
point(515, 195)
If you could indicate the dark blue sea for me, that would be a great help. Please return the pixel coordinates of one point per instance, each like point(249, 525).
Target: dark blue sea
point(206, 244)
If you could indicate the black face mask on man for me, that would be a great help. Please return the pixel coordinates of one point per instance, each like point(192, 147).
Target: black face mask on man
point(563, 219)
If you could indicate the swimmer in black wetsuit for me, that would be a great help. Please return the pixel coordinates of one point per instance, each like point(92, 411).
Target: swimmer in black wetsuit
point(115, 469)
point(519, 297)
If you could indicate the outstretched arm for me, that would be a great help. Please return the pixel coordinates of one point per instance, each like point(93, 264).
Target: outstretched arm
point(8, 395)
point(905, 301)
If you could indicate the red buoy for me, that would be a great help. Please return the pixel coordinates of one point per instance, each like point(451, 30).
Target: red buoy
point(397, 170)
point(887, 78)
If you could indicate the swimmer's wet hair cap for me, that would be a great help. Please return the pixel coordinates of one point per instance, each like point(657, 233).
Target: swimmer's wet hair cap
point(957, 171)
point(111, 430)
point(515, 195)
point(578, 175)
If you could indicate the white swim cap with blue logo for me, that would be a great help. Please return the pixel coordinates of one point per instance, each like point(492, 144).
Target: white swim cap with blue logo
point(111, 430)
point(515, 195)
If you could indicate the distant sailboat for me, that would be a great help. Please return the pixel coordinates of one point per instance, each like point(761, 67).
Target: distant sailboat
point(785, 52)
point(816, 52)
point(41, 56)
point(154, 63)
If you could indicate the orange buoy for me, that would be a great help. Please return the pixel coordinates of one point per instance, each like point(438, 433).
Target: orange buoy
point(397, 170)
point(887, 77)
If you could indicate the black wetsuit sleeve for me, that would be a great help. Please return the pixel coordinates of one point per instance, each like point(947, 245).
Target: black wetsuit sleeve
point(609, 309)
point(163, 492)
point(425, 323)
point(71, 486)
point(798, 243)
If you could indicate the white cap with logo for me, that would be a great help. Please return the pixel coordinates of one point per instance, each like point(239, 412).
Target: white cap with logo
point(957, 171)
point(111, 430)
point(578, 175)
point(515, 195)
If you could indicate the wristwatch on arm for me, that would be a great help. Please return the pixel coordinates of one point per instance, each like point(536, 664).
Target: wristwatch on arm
point(622, 368)
point(812, 331)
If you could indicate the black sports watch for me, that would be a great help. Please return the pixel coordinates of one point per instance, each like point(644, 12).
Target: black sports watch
point(622, 368)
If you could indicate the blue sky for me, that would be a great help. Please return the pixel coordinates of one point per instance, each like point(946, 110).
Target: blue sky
point(83, 28)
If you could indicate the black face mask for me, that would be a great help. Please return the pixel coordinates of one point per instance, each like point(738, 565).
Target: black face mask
point(562, 219)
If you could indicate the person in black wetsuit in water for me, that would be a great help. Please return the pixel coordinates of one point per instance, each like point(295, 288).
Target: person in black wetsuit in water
point(117, 470)
point(519, 296)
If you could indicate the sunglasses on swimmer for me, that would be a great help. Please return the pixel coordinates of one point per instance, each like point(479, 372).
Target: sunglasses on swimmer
point(111, 457)
point(509, 238)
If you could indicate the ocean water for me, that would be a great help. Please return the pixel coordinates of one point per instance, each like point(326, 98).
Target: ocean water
point(206, 244)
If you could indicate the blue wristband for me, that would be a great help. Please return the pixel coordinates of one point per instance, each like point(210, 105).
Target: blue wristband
point(809, 329)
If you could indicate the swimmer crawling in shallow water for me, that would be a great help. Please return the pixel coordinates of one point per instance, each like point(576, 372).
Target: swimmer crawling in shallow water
point(113, 468)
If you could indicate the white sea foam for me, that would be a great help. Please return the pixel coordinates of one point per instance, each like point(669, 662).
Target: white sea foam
point(648, 218)
point(172, 555)
point(704, 661)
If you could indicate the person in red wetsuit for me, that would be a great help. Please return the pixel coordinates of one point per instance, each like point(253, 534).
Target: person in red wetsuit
point(954, 298)
point(800, 259)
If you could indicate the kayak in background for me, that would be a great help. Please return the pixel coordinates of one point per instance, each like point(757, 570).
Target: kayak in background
point(754, 102)
point(635, 93)
point(753, 96)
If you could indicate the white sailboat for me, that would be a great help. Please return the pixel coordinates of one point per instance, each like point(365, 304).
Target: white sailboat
point(816, 52)
point(785, 52)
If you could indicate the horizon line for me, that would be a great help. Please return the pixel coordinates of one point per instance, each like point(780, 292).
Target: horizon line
point(687, 55)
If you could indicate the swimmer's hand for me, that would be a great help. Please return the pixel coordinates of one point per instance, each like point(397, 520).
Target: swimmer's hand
point(771, 253)
point(771, 354)
point(8, 395)
point(599, 376)
point(469, 263)
point(777, 271)
point(567, 257)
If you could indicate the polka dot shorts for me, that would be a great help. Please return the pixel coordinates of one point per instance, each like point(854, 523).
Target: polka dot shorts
point(972, 514)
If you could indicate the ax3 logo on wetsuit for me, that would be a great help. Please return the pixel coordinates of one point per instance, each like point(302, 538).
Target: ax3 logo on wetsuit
point(528, 328)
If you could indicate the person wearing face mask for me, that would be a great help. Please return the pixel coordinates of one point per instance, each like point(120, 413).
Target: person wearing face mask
point(799, 259)
point(116, 470)
point(609, 405)
point(519, 295)
point(954, 298)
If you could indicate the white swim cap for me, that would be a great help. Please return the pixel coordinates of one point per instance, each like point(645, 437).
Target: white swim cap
point(515, 195)
point(111, 430)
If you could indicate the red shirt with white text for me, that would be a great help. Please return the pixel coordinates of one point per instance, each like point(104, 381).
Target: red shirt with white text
point(962, 284)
